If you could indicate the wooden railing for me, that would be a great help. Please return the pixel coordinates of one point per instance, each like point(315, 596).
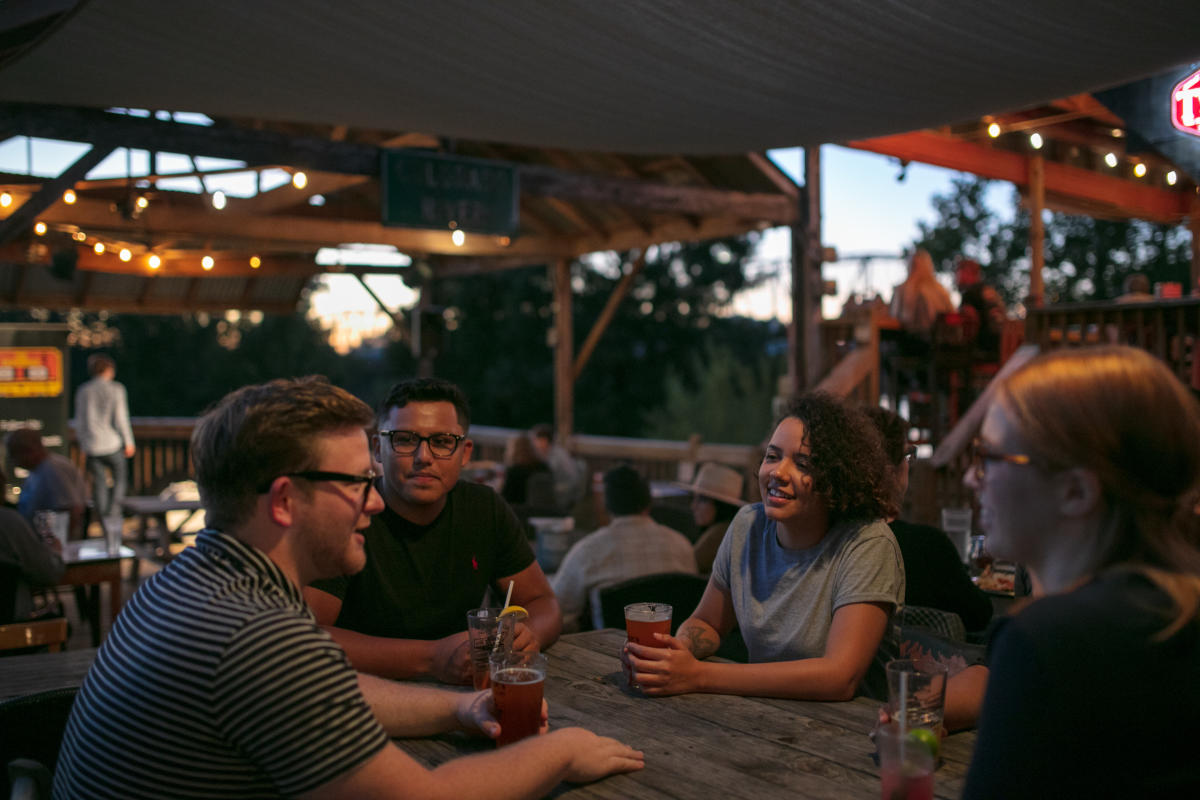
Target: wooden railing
point(850, 355)
point(163, 452)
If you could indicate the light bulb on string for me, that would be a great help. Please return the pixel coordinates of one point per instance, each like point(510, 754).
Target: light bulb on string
point(255, 262)
point(459, 238)
point(299, 180)
point(98, 248)
point(1139, 170)
point(1171, 178)
point(1111, 159)
point(154, 261)
point(125, 255)
point(1035, 141)
point(5, 199)
point(993, 130)
point(40, 228)
point(69, 196)
point(207, 262)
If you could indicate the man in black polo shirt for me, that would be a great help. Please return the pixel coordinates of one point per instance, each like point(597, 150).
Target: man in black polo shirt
point(434, 552)
point(216, 680)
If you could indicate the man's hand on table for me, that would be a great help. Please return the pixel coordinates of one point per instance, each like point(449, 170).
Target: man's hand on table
point(593, 757)
point(671, 669)
point(477, 713)
point(452, 659)
point(524, 639)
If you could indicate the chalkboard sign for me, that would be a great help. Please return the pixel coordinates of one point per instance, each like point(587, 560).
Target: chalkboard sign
point(430, 190)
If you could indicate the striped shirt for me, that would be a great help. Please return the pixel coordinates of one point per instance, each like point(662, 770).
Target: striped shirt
point(215, 682)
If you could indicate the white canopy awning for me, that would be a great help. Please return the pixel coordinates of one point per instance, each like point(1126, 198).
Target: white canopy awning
point(681, 76)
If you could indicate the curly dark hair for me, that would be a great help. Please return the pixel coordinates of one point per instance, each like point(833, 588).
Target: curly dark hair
point(849, 467)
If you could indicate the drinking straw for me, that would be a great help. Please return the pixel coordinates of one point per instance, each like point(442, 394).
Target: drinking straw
point(508, 597)
point(903, 711)
point(500, 625)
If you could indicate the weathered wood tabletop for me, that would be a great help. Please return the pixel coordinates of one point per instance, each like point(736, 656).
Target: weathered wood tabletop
point(22, 675)
point(710, 745)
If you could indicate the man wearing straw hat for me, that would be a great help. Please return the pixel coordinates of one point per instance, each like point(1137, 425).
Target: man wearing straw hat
point(716, 498)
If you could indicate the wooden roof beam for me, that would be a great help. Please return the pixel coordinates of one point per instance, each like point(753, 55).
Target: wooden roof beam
point(1138, 200)
point(51, 192)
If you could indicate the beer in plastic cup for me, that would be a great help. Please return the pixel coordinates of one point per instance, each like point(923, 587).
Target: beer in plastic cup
point(482, 628)
point(643, 620)
point(517, 683)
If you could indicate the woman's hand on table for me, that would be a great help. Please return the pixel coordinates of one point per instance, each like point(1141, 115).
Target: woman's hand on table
point(477, 714)
point(671, 669)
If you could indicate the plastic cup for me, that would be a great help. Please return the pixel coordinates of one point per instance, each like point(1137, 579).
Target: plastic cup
point(642, 621)
point(905, 765)
point(517, 680)
point(483, 624)
point(918, 692)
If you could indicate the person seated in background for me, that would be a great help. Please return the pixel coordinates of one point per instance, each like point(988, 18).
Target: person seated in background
point(54, 484)
point(570, 475)
point(917, 302)
point(31, 561)
point(437, 550)
point(982, 309)
point(630, 546)
point(217, 682)
point(521, 462)
point(716, 498)
point(1087, 470)
point(1136, 289)
point(811, 575)
point(934, 575)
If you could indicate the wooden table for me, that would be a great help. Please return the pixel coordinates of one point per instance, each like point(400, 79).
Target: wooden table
point(89, 563)
point(710, 745)
point(22, 675)
point(152, 508)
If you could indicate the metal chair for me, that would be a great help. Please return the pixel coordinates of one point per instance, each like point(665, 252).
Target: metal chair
point(943, 623)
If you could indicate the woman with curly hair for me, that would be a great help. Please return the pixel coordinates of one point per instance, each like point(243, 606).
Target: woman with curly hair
point(1088, 470)
point(810, 576)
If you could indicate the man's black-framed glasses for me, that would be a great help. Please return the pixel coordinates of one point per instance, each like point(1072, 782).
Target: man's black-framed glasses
point(367, 479)
point(981, 454)
point(406, 443)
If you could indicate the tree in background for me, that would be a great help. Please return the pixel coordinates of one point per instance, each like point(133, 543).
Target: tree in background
point(1086, 258)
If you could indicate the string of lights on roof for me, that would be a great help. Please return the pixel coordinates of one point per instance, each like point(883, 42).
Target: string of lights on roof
point(153, 261)
point(1111, 159)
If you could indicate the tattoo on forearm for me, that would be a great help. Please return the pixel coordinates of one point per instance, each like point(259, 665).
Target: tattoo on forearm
point(699, 641)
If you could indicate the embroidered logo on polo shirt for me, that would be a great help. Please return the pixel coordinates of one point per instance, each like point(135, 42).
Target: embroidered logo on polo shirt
point(474, 564)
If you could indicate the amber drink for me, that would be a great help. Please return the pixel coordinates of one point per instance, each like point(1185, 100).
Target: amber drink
point(517, 684)
point(643, 620)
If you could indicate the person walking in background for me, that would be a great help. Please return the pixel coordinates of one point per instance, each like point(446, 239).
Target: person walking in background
point(1087, 469)
point(716, 499)
point(105, 436)
point(631, 545)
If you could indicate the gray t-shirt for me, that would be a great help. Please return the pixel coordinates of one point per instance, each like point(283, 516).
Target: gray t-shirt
point(784, 599)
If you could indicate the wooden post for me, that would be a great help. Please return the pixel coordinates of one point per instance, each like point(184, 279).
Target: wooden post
point(1037, 230)
point(422, 350)
point(564, 376)
point(606, 316)
point(804, 367)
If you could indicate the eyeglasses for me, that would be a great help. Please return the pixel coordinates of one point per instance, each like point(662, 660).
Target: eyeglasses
point(980, 455)
point(406, 443)
point(367, 480)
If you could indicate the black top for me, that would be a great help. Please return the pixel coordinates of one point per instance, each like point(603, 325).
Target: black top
point(420, 581)
point(1083, 702)
point(935, 577)
point(516, 481)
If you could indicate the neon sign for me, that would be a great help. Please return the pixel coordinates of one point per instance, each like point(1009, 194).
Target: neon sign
point(1185, 104)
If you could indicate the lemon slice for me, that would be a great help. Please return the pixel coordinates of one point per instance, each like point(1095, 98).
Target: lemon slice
point(517, 611)
point(927, 738)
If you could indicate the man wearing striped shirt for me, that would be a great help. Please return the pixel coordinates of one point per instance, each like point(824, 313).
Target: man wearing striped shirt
point(216, 680)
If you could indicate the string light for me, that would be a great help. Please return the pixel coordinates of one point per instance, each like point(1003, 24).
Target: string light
point(154, 261)
point(207, 262)
point(1035, 140)
point(1139, 170)
point(69, 196)
point(98, 248)
point(994, 130)
point(255, 262)
point(79, 236)
point(5, 199)
point(299, 180)
point(125, 255)
point(142, 201)
point(1111, 159)
point(40, 228)
point(458, 237)
point(218, 200)
point(1171, 178)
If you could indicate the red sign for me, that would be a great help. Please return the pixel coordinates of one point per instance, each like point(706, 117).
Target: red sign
point(1185, 104)
point(31, 372)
